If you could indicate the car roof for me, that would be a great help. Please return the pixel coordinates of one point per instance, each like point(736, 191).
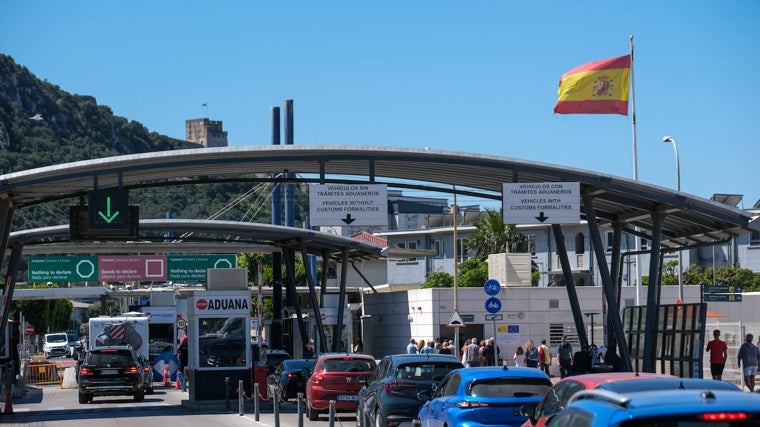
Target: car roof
point(480, 372)
point(408, 358)
point(666, 383)
point(346, 355)
point(590, 381)
point(663, 403)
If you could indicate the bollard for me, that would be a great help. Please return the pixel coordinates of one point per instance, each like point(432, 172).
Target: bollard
point(276, 402)
point(227, 393)
point(240, 397)
point(331, 423)
point(300, 409)
point(256, 402)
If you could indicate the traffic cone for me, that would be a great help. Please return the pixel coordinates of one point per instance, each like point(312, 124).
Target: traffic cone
point(8, 403)
point(167, 379)
point(177, 385)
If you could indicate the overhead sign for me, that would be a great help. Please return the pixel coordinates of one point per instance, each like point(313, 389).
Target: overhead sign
point(122, 268)
point(722, 289)
point(109, 210)
point(711, 297)
point(63, 269)
point(348, 204)
point(542, 203)
point(193, 267)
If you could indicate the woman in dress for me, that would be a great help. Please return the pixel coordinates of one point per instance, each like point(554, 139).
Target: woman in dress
point(519, 356)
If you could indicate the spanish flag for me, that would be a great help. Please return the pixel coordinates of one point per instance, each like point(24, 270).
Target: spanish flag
point(599, 87)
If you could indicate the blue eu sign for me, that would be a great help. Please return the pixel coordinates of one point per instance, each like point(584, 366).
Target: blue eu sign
point(492, 287)
point(493, 305)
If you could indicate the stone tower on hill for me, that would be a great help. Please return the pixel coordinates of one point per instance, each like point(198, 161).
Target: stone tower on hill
point(205, 133)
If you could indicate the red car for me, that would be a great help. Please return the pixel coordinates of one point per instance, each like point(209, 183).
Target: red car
point(620, 382)
point(335, 378)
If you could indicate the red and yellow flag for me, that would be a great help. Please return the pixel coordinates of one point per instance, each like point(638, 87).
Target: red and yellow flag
point(599, 87)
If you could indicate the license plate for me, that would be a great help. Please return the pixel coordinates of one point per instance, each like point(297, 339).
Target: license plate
point(109, 372)
point(346, 397)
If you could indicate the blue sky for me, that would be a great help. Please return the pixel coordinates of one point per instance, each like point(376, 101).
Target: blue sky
point(475, 77)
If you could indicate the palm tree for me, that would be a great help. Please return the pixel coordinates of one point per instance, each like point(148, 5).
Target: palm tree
point(493, 236)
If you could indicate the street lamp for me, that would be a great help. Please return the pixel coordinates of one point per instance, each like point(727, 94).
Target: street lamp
point(667, 139)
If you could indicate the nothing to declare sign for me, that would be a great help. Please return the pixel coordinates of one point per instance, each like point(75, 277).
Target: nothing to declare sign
point(542, 203)
point(63, 269)
point(193, 267)
point(348, 204)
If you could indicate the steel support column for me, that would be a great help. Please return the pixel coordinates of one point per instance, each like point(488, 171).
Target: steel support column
point(616, 326)
point(617, 242)
point(567, 273)
point(314, 301)
point(290, 269)
point(653, 297)
point(341, 304)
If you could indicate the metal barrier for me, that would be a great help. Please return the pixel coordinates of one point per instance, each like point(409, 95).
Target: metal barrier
point(43, 373)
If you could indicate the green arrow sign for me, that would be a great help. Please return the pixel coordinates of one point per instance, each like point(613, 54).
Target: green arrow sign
point(108, 209)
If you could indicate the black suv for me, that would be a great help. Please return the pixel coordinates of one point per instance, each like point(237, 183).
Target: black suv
point(389, 396)
point(111, 371)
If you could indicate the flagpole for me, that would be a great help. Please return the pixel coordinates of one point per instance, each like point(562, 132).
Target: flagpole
point(635, 175)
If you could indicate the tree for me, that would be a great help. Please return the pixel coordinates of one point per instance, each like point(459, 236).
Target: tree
point(473, 273)
point(493, 236)
point(439, 279)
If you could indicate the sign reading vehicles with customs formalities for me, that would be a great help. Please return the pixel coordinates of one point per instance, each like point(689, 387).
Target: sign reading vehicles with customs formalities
point(542, 203)
point(348, 204)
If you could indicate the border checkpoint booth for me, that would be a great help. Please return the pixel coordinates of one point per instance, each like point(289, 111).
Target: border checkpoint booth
point(218, 333)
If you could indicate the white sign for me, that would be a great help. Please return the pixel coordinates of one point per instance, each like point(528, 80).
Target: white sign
point(348, 204)
point(456, 320)
point(542, 203)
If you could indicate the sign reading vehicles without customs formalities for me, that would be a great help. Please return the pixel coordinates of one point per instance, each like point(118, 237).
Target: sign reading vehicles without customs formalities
point(348, 204)
point(542, 203)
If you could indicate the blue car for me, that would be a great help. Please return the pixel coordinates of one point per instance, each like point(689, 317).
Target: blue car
point(484, 396)
point(671, 408)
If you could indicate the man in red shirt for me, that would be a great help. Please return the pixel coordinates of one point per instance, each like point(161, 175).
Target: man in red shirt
point(718, 352)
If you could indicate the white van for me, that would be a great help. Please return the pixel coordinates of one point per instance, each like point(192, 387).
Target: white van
point(56, 344)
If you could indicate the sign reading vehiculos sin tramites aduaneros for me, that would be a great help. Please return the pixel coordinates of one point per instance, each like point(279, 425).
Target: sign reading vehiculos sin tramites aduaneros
point(348, 204)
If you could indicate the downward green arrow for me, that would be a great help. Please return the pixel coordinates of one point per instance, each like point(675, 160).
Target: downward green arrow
point(108, 217)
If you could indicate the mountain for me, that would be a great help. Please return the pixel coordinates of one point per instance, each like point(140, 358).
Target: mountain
point(42, 125)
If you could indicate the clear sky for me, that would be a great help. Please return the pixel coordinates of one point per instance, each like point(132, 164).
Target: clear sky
point(477, 77)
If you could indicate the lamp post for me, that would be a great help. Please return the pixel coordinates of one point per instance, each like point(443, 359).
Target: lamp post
point(667, 139)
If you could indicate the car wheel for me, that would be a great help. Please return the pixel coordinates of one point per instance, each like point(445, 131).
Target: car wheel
point(139, 395)
point(84, 398)
point(150, 389)
point(311, 413)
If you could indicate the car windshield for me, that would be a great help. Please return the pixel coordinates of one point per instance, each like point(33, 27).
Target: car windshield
point(429, 371)
point(349, 365)
point(109, 359)
point(57, 338)
point(509, 387)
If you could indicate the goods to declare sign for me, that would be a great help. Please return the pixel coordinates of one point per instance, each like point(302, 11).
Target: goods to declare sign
point(348, 204)
point(542, 203)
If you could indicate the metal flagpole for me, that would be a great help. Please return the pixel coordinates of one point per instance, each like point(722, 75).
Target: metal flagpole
point(637, 239)
point(456, 260)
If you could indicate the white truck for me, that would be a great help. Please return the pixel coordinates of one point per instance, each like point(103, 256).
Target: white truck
point(56, 344)
point(120, 330)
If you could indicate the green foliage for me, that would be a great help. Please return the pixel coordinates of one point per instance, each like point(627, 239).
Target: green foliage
point(46, 315)
point(493, 236)
point(473, 273)
point(439, 279)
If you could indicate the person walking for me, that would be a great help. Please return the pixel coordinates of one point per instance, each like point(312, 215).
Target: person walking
point(749, 356)
point(412, 347)
point(490, 353)
point(582, 361)
point(420, 346)
point(471, 354)
point(531, 355)
point(445, 348)
point(545, 356)
point(519, 357)
point(428, 349)
point(718, 353)
point(564, 357)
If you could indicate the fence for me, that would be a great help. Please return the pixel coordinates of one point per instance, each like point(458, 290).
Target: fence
point(43, 373)
point(733, 334)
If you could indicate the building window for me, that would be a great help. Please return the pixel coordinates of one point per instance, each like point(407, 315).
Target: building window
point(531, 243)
point(754, 238)
point(438, 246)
point(412, 244)
point(580, 244)
point(553, 303)
point(644, 244)
point(462, 252)
point(610, 240)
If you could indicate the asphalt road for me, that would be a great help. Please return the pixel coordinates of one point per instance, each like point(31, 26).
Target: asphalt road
point(53, 406)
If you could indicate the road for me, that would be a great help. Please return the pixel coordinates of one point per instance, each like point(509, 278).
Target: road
point(51, 405)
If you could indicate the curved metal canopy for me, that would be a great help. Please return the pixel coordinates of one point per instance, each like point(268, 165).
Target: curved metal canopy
point(686, 219)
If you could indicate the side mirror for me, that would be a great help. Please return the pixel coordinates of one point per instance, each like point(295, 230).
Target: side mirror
point(529, 411)
point(362, 379)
